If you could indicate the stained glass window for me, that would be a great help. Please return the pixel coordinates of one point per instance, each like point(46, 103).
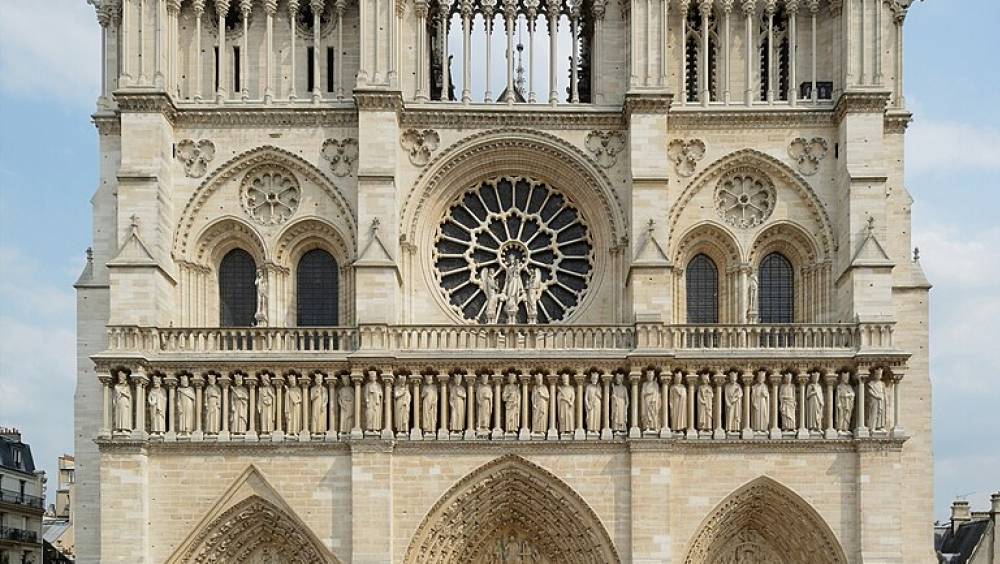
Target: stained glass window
point(777, 290)
point(702, 290)
point(317, 282)
point(237, 293)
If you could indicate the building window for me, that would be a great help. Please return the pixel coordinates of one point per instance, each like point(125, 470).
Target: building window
point(316, 289)
point(777, 290)
point(237, 293)
point(778, 50)
point(310, 75)
point(702, 279)
point(694, 64)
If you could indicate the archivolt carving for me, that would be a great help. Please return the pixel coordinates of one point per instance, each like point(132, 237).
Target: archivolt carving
point(304, 171)
point(211, 243)
point(787, 238)
point(511, 498)
point(771, 517)
point(306, 234)
point(711, 239)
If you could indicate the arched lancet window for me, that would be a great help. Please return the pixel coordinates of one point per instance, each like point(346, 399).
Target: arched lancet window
point(237, 292)
point(779, 55)
point(694, 43)
point(777, 290)
point(316, 285)
point(702, 279)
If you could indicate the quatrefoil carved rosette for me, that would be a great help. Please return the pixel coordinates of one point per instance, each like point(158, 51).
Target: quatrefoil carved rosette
point(513, 227)
point(745, 197)
point(270, 194)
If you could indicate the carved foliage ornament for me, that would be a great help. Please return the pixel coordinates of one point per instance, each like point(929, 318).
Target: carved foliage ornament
point(420, 144)
point(745, 197)
point(342, 154)
point(808, 154)
point(270, 194)
point(685, 155)
point(195, 155)
point(605, 146)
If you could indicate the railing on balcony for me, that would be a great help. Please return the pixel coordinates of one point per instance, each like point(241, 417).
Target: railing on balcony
point(11, 496)
point(430, 338)
point(20, 535)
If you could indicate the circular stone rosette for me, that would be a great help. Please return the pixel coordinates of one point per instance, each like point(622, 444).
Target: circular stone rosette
point(745, 198)
point(270, 194)
point(513, 241)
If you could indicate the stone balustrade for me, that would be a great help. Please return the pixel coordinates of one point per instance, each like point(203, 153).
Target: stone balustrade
point(518, 403)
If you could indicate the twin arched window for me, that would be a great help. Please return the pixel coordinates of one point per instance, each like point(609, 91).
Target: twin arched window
point(776, 290)
point(316, 284)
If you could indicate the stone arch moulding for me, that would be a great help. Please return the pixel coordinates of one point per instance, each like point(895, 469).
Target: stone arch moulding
point(788, 238)
point(304, 235)
point(764, 518)
point(514, 152)
point(778, 171)
point(251, 523)
point(344, 216)
point(511, 497)
point(224, 234)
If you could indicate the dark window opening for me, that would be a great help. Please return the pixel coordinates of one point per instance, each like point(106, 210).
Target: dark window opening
point(317, 289)
point(310, 62)
point(702, 283)
point(329, 69)
point(236, 70)
point(237, 292)
point(216, 51)
point(777, 290)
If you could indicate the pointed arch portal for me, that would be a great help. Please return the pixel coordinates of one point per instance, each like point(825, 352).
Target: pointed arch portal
point(511, 510)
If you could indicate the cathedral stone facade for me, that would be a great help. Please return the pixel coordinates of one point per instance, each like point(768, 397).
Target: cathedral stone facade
point(502, 281)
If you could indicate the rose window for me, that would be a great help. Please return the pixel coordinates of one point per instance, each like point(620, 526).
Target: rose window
point(513, 250)
point(270, 194)
point(745, 198)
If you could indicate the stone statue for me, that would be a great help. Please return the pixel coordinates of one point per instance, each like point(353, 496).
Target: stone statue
point(566, 400)
point(512, 404)
point(787, 403)
point(491, 289)
point(157, 401)
point(845, 402)
point(706, 395)
point(539, 405)
point(484, 403)
point(814, 403)
point(266, 404)
point(875, 401)
point(373, 403)
point(261, 283)
point(761, 403)
point(401, 400)
point(513, 288)
point(678, 403)
point(650, 402)
point(733, 394)
point(429, 407)
point(457, 396)
point(185, 406)
point(619, 404)
point(319, 404)
point(592, 403)
point(240, 400)
point(533, 293)
point(345, 407)
point(293, 407)
point(213, 406)
point(123, 403)
point(752, 286)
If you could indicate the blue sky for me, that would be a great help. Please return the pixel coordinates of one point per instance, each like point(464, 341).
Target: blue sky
point(48, 172)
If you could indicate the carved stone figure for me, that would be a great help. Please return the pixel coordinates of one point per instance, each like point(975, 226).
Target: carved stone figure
point(123, 403)
point(457, 397)
point(512, 404)
point(733, 395)
point(401, 400)
point(293, 407)
point(491, 289)
point(185, 406)
point(592, 403)
point(619, 404)
point(706, 395)
point(345, 407)
point(539, 405)
point(650, 402)
point(429, 408)
point(239, 398)
point(752, 287)
point(845, 402)
point(814, 403)
point(532, 294)
point(566, 400)
point(213, 406)
point(787, 403)
point(266, 404)
point(484, 403)
point(261, 283)
point(761, 395)
point(875, 401)
point(373, 403)
point(319, 404)
point(157, 401)
point(513, 288)
point(678, 403)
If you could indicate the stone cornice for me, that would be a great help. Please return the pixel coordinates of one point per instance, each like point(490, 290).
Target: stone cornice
point(647, 103)
point(378, 100)
point(107, 122)
point(132, 101)
point(897, 121)
point(493, 116)
point(751, 118)
point(861, 102)
point(205, 116)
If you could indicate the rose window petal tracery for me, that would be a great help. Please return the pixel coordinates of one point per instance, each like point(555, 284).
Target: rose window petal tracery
point(270, 194)
point(745, 198)
point(513, 250)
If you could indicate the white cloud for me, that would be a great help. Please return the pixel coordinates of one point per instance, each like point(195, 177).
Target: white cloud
point(942, 146)
point(50, 49)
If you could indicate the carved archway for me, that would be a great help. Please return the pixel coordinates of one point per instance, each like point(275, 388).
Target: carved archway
point(511, 507)
point(764, 521)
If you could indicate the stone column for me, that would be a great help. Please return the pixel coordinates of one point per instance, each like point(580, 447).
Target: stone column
point(470, 406)
point(443, 406)
point(860, 431)
point(775, 424)
point(305, 381)
point(356, 378)
point(332, 415)
point(416, 432)
point(279, 413)
point(747, 427)
point(633, 403)
point(251, 434)
point(718, 379)
point(665, 430)
point(170, 383)
point(802, 380)
point(198, 382)
point(387, 403)
point(525, 432)
point(497, 405)
point(830, 378)
point(692, 420)
point(578, 433)
point(553, 432)
point(105, 431)
point(606, 406)
point(897, 424)
point(224, 382)
point(139, 381)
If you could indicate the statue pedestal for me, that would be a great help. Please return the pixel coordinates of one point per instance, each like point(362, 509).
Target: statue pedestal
point(524, 434)
point(830, 434)
point(606, 434)
point(691, 433)
point(666, 433)
point(416, 434)
point(802, 434)
point(497, 433)
point(386, 434)
point(442, 434)
point(330, 436)
point(718, 434)
point(579, 435)
point(304, 436)
point(250, 437)
point(277, 436)
point(552, 435)
point(224, 436)
point(747, 434)
point(775, 433)
point(469, 435)
point(634, 433)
